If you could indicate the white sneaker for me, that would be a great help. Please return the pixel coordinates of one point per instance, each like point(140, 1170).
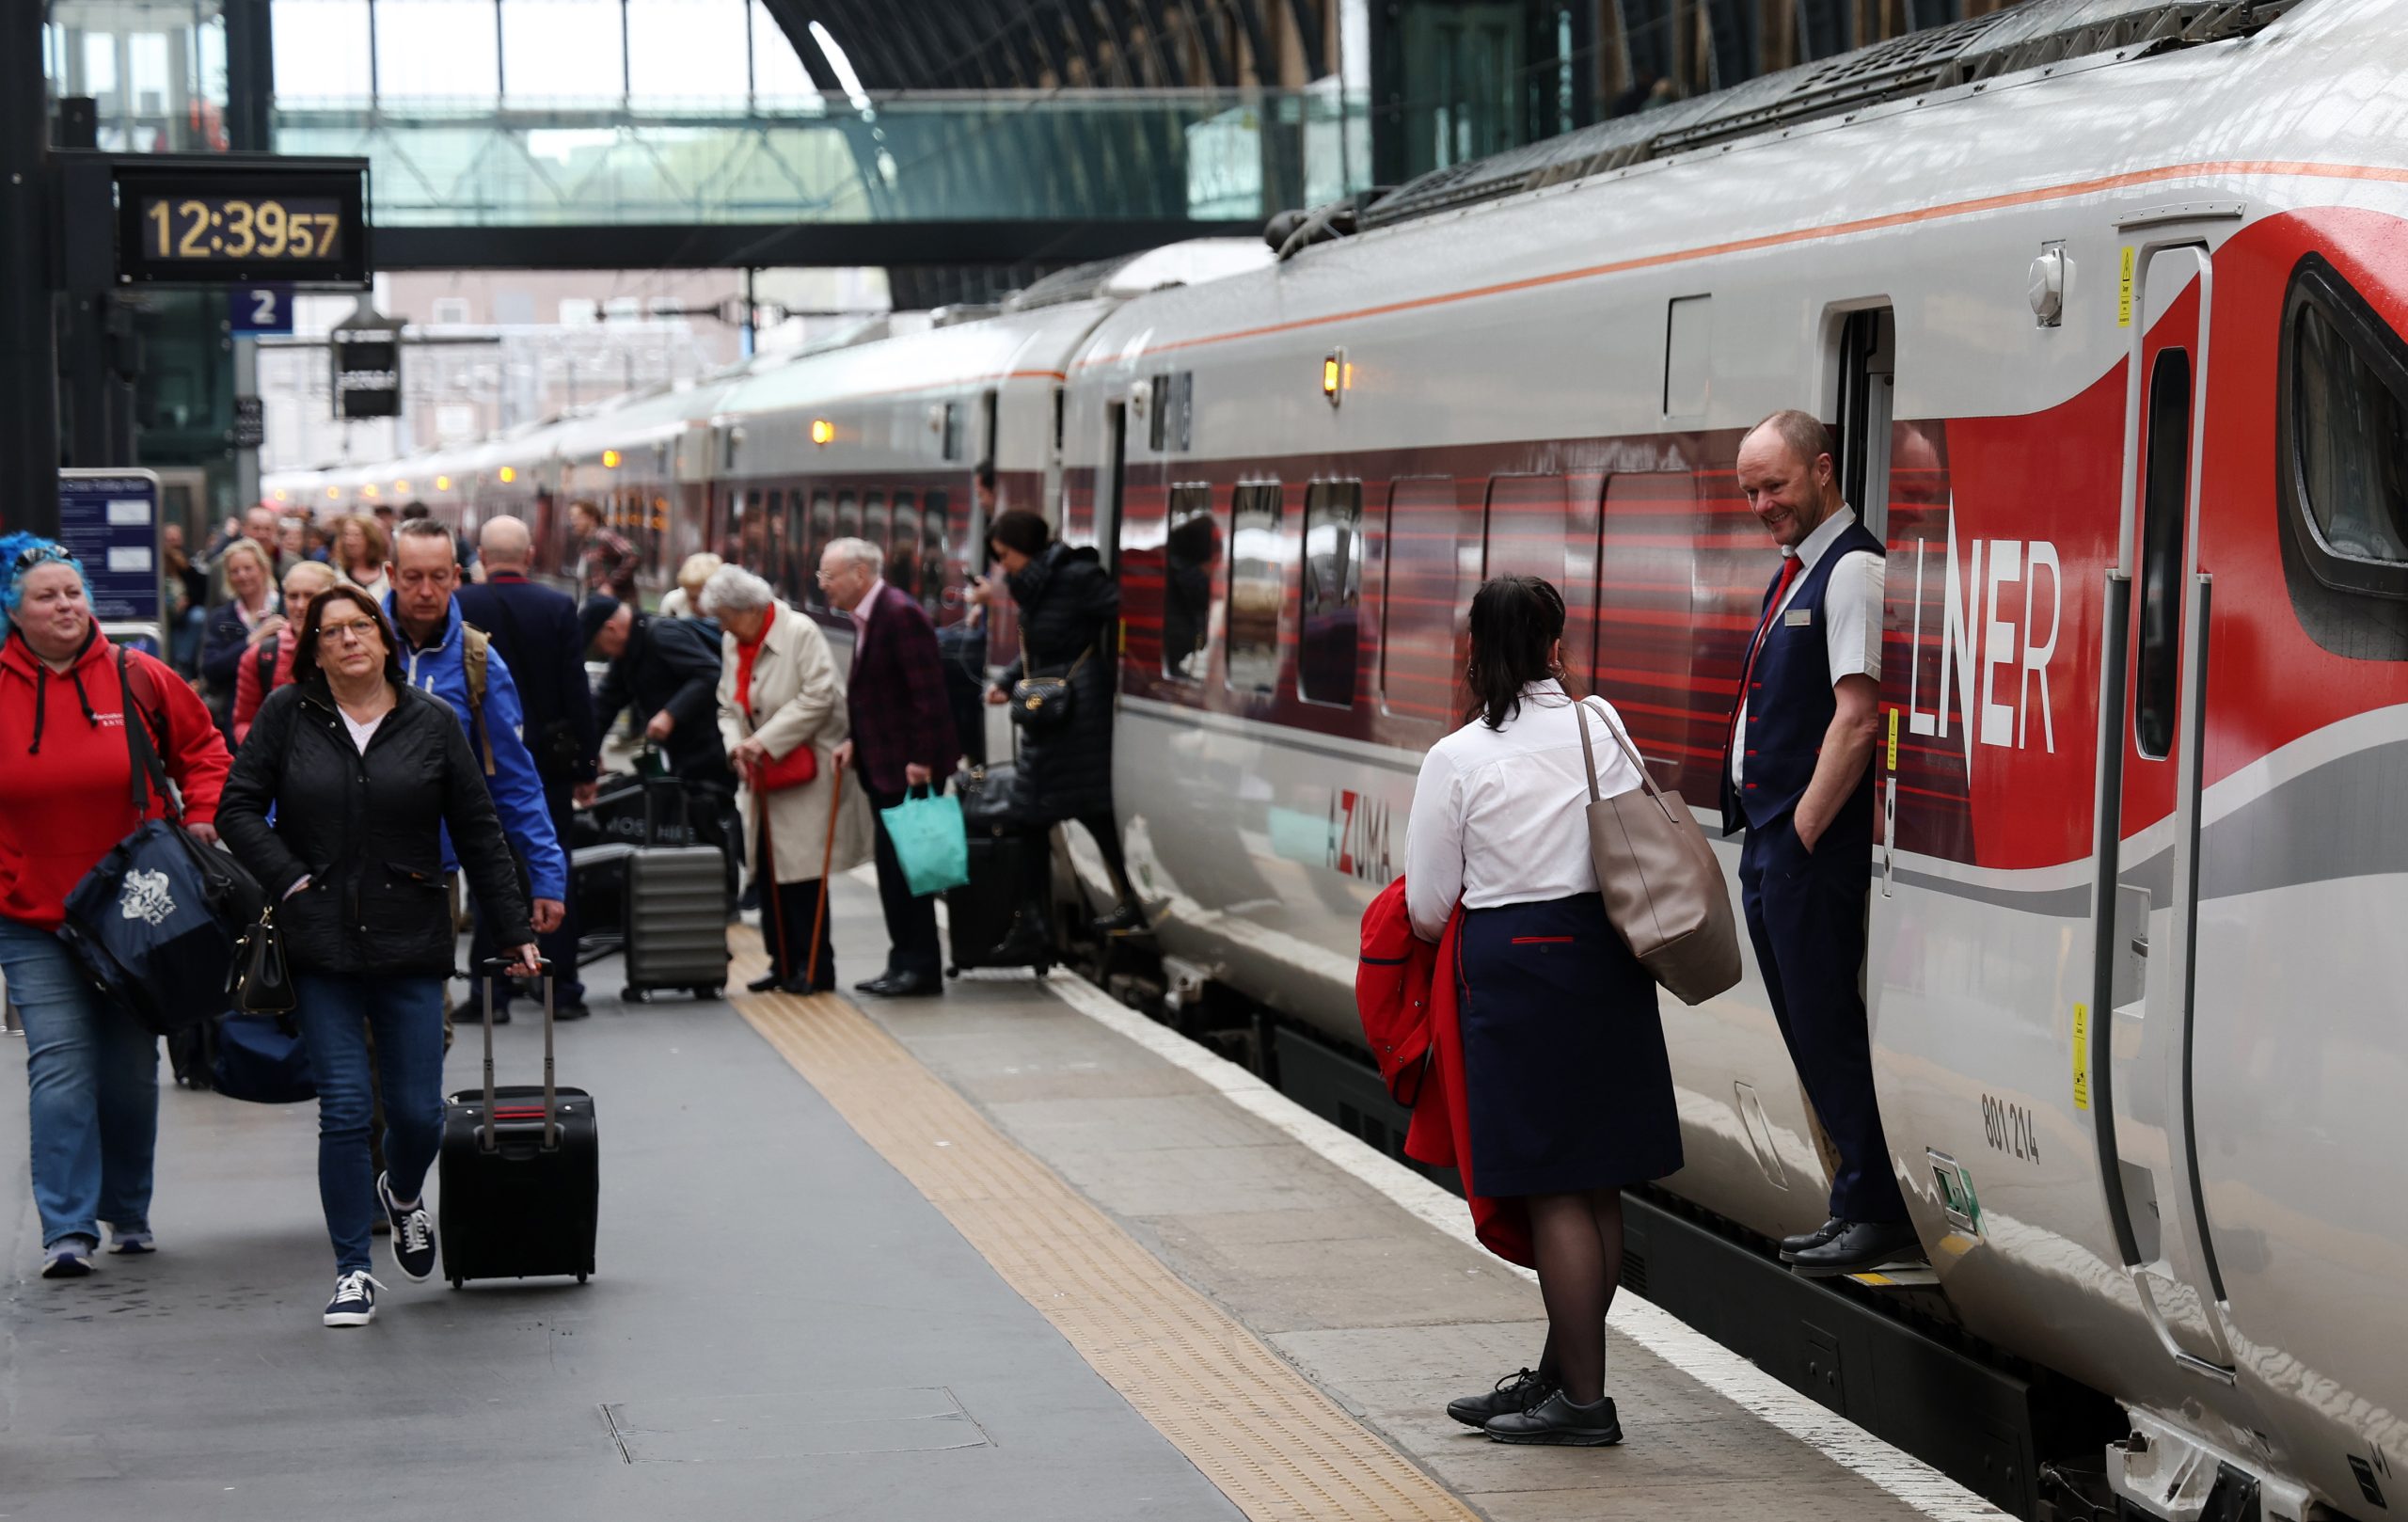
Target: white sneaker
point(354, 1301)
point(69, 1258)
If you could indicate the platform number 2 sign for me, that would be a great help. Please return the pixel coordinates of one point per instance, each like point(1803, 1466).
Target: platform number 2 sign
point(260, 310)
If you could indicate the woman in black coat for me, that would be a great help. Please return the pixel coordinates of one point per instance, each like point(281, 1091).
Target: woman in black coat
point(365, 773)
point(1069, 610)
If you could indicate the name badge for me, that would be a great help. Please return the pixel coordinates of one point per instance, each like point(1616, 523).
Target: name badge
point(1796, 618)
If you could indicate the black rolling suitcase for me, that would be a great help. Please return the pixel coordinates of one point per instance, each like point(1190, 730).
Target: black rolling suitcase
point(979, 913)
point(675, 914)
point(521, 1173)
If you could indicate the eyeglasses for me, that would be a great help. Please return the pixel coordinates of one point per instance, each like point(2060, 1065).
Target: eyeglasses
point(348, 630)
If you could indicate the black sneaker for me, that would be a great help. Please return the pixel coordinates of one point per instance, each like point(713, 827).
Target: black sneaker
point(354, 1301)
point(1556, 1422)
point(1515, 1392)
point(413, 1240)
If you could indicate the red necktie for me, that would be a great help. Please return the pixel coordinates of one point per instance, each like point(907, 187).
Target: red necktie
point(1789, 565)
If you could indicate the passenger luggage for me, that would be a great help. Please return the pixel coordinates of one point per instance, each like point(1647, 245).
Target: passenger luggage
point(618, 812)
point(675, 919)
point(995, 821)
point(927, 832)
point(520, 1171)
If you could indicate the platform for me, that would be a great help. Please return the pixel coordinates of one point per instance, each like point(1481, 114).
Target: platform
point(1013, 1253)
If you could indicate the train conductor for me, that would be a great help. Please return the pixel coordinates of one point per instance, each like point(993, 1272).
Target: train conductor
point(1798, 771)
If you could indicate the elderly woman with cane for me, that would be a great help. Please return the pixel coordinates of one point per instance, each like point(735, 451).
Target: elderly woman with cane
point(781, 716)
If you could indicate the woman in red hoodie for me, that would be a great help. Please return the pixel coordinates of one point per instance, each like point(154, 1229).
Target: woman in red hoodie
point(268, 665)
point(91, 1072)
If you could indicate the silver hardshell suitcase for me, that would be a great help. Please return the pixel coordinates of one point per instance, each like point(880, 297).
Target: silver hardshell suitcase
point(675, 918)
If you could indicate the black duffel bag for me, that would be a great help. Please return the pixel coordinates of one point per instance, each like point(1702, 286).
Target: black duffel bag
point(993, 800)
point(154, 922)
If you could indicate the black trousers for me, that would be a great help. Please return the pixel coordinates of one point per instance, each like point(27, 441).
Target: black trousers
point(911, 922)
point(787, 909)
point(560, 948)
point(1806, 917)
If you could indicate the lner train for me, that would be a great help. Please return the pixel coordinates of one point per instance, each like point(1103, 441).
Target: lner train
point(2106, 303)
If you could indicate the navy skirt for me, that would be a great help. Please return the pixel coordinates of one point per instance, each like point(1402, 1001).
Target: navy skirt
point(1564, 1068)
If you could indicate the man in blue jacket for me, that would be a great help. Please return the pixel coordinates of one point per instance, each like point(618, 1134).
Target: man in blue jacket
point(535, 633)
point(424, 571)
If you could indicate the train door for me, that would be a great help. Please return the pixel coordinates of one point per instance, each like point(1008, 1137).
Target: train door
point(2152, 695)
point(1867, 399)
point(1112, 489)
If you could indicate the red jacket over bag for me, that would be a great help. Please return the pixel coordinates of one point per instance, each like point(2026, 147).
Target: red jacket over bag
point(65, 776)
point(1407, 993)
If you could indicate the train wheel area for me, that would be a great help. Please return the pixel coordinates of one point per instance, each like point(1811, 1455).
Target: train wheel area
point(1014, 1252)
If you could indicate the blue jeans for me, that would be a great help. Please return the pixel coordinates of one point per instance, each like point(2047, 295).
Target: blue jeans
point(337, 1016)
point(92, 1091)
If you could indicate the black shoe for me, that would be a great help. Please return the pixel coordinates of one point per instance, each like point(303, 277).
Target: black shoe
point(1024, 947)
point(1129, 918)
point(803, 988)
point(1859, 1246)
point(413, 1236)
point(906, 986)
point(570, 1012)
point(763, 984)
point(1558, 1424)
point(874, 985)
point(1515, 1392)
point(1808, 1241)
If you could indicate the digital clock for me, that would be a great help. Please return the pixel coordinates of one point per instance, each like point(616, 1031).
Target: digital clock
point(207, 219)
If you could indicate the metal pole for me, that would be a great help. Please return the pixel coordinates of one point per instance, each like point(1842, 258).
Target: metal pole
point(28, 347)
point(247, 460)
point(752, 315)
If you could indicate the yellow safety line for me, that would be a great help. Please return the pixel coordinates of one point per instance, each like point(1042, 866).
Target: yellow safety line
point(1274, 1445)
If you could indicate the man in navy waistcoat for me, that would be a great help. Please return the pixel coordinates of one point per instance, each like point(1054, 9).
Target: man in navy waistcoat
point(1797, 770)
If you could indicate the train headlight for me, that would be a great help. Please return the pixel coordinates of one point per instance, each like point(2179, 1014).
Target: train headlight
point(610, 459)
point(443, 483)
point(1333, 376)
point(509, 474)
point(822, 431)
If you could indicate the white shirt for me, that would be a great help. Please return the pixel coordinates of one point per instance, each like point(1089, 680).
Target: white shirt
point(360, 733)
point(1498, 815)
point(869, 600)
point(1851, 612)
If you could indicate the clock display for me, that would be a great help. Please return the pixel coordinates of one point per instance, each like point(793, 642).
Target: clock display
point(240, 228)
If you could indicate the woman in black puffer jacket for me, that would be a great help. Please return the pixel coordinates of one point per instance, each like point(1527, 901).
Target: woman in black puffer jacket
point(364, 772)
point(1070, 611)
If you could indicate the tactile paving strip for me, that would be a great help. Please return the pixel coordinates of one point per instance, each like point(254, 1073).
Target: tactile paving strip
point(1276, 1446)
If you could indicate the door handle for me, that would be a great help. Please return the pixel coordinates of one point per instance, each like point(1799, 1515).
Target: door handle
point(2140, 945)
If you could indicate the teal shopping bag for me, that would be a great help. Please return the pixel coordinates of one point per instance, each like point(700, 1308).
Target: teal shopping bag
point(929, 841)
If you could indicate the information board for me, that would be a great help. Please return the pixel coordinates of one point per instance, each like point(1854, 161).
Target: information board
point(109, 519)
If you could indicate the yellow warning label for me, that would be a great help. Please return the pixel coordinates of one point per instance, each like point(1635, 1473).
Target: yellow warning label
point(2081, 1056)
point(2123, 291)
point(1894, 739)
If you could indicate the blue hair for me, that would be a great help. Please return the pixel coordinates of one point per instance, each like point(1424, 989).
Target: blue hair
point(31, 550)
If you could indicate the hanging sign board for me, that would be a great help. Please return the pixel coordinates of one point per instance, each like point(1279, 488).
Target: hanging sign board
point(109, 520)
point(367, 355)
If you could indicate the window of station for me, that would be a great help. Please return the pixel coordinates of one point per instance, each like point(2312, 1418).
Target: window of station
point(1191, 550)
point(1258, 586)
point(2165, 503)
point(1329, 640)
point(903, 545)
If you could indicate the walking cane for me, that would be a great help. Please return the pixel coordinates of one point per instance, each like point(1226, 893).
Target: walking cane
point(827, 858)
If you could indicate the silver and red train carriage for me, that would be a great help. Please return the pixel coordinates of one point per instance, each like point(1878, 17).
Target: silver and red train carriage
point(2108, 305)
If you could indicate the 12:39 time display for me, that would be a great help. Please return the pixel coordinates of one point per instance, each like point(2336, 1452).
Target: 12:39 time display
point(213, 228)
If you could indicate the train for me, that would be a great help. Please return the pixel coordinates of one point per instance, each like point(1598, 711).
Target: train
point(2104, 301)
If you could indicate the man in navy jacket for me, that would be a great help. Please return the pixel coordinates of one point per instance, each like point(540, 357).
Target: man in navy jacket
point(903, 737)
point(534, 630)
point(1797, 771)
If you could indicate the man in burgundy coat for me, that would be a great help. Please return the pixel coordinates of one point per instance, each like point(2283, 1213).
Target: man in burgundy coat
point(903, 737)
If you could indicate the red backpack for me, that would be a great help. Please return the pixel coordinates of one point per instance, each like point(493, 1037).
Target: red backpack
point(1392, 984)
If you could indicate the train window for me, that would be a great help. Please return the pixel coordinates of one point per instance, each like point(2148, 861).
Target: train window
point(1688, 356)
point(1328, 645)
point(953, 430)
point(2349, 420)
point(1258, 586)
point(1061, 414)
point(823, 529)
point(848, 516)
point(1431, 561)
point(2165, 503)
point(1191, 549)
point(874, 523)
point(935, 576)
point(903, 545)
point(1158, 413)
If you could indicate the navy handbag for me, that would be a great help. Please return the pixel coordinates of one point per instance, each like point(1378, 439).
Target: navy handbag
point(262, 1059)
point(154, 922)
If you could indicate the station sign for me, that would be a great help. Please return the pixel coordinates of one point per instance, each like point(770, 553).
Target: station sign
point(260, 312)
point(250, 423)
point(236, 218)
point(366, 350)
point(109, 520)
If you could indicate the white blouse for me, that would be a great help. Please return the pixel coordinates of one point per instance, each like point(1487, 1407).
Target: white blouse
point(1498, 815)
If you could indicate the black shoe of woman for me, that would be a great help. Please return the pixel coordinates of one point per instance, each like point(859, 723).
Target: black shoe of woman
point(1024, 946)
point(763, 984)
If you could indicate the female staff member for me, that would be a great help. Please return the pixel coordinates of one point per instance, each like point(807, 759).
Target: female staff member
point(264, 667)
point(1569, 1090)
point(360, 554)
point(1068, 609)
point(364, 772)
point(237, 626)
point(91, 1074)
point(779, 691)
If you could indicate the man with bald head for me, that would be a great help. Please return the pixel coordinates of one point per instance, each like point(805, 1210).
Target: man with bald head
point(1797, 771)
point(535, 629)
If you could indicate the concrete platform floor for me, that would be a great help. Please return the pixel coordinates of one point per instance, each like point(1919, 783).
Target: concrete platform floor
point(783, 1324)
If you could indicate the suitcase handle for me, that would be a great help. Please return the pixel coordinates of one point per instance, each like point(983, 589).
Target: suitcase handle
point(493, 967)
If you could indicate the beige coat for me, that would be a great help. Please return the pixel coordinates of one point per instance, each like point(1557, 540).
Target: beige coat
point(797, 699)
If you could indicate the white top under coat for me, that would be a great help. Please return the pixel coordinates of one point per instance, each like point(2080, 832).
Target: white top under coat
point(1498, 815)
point(1851, 613)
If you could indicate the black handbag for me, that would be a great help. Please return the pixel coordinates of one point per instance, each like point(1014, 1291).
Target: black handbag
point(258, 982)
point(1042, 705)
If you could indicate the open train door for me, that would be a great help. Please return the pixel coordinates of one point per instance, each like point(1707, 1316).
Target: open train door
point(2152, 692)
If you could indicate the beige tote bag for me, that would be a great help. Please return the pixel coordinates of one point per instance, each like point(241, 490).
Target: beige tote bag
point(1663, 888)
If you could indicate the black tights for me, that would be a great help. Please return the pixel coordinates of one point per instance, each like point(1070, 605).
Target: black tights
point(1576, 1239)
point(1037, 862)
